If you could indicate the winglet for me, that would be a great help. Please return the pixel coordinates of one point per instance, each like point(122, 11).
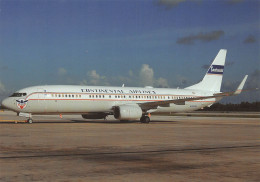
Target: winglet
point(241, 85)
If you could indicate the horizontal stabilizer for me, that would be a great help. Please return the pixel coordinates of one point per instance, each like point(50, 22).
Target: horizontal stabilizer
point(240, 87)
point(154, 105)
point(238, 90)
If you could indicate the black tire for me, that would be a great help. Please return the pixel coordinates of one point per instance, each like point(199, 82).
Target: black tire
point(142, 119)
point(30, 121)
point(145, 119)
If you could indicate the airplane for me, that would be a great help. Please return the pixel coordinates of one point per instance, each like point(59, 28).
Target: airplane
point(125, 103)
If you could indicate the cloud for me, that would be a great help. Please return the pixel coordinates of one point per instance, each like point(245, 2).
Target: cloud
point(249, 40)
point(93, 74)
point(182, 81)
point(83, 82)
point(3, 68)
point(62, 71)
point(142, 77)
point(146, 78)
point(2, 88)
point(146, 75)
point(96, 79)
point(170, 3)
point(234, 1)
point(230, 63)
point(206, 66)
point(161, 83)
point(130, 73)
point(204, 37)
point(254, 79)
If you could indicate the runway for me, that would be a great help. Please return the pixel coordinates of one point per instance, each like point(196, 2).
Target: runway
point(170, 148)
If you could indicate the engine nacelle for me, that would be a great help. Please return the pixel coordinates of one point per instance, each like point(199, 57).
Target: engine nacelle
point(127, 112)
point(98, 115)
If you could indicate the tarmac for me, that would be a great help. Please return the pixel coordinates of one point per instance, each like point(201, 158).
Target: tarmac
point(169, 148)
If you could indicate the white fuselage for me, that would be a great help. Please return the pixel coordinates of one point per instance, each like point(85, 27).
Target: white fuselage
point(64, 99)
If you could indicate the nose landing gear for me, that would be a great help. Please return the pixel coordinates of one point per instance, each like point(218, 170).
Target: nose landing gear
point(27, 115)
point(29, 120)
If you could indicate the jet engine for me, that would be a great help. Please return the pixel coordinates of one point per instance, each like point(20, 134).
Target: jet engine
point(128, 112)
point(95, 115)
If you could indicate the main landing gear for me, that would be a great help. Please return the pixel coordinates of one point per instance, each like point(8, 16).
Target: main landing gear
point(145, 119)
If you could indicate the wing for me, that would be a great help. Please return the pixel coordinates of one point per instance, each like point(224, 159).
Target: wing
point(153, 105)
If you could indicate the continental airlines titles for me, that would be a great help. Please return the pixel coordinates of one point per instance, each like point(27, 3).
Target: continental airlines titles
point(117, 91)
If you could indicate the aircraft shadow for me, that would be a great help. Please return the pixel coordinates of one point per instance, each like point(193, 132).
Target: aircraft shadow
point(91, 121)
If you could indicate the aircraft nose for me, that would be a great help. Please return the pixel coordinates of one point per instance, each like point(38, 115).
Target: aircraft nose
point(5, 103)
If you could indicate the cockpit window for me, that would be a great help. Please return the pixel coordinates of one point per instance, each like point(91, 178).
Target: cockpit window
point(18, 94)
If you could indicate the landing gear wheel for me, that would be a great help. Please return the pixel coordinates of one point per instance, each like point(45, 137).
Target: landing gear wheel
point(30, 121)
point(145, 119)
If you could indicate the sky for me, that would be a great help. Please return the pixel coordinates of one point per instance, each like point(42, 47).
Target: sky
point(160, 43)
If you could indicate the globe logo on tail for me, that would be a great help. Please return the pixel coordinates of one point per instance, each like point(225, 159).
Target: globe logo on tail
point(216, 69)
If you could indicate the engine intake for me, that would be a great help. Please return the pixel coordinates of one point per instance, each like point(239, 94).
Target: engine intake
point(127, 112)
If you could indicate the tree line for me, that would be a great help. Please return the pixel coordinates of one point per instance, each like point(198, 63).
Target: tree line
point(243, 106)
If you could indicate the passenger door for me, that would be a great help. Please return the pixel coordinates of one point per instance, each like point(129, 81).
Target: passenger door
point(41, 99)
